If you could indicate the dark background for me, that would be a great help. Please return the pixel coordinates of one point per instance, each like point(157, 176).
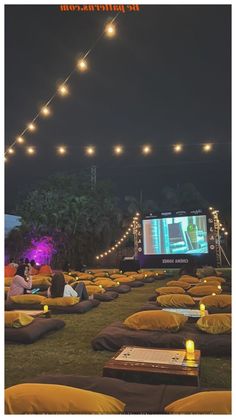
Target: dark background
point(165, 78)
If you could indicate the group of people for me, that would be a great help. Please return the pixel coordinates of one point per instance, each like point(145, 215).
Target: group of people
point(22, 283)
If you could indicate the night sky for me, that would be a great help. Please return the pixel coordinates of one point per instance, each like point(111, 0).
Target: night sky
point(165, 78)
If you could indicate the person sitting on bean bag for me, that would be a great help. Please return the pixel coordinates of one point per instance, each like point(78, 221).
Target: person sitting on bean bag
point(60, 288)
point(22, 281)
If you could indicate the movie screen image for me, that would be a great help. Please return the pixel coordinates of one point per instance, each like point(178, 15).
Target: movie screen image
point(175, 235)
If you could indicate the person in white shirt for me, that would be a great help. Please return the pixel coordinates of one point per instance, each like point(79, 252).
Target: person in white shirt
point(60, 288)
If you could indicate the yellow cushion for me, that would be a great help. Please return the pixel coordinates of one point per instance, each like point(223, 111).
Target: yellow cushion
point(211, 283)
point(115, 276)
point(156, 320)
point(69, 278)
point(208, 402)
point(41, 281)
point(61, 301)
point(138, 277)
point(105, 282)
point(100, 274)
point(27, 299)
point(94, 289)
point(190, 279)
point(215, 324)
point(87, 277)
point(52, 398)
point(125, 279)
point(130, 273)
point(201, 290)
point(148, 274)
point(16, 320)
point(170, 290)
point(175, 300)
point(214, 278)
point(8, 281)
point(219, 301)
point(180, 284)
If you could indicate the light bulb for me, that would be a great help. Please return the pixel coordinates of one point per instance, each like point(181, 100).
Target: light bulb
point(110, 30)
point(63, 90)
point(82, 65)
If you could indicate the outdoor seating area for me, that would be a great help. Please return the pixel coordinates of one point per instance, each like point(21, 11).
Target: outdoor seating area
point(89, 340)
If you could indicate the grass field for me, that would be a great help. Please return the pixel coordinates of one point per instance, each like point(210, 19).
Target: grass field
point(69, 351)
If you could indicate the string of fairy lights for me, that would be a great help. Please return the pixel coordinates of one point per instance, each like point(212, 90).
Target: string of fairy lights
point(222, 229)
point(122, 239)
point(63, 90)
point(109, 31)
point(130, 229)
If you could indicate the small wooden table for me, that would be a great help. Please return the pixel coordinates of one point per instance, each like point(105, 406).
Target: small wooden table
point(36, 313)
point(153, 373)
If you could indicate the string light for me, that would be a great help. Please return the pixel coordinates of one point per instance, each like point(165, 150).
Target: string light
point(61, 150)
point(31, 126)
point(45, 111)
point(118, 150)
point(207, 147)
point(226, 233)
point(90, 151)
point(63, 90)
point(11, 151)
point(178, 148)
point(30, 150)
point(20, 140)
point(82, 65)
point(146, 149)
point(110, 30)
point(5, 158)
point(119, 242)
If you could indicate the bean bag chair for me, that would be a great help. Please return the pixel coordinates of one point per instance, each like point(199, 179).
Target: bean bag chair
point(9, 271)
point(106, 296)
point(121, 289)
point(34, 331)
point(45, 269)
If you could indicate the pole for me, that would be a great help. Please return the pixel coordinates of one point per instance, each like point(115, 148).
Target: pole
point(93, 177)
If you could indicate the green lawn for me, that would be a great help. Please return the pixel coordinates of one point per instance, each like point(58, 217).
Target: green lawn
point(69, 351)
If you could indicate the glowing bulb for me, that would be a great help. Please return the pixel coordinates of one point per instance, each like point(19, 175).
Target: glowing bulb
point(101, 256)
point(219, 287)
point(223, 229)
point(61, 150)
point(178, 148)
point(137, 214)
point(31, 127)
point(45, 111)
point(63, 90)
point(129, 229)
point(146, 149)
point(226, 233)
point(90, 151)
point(119, 242)
point(118, 149)
point(77, 277)
point(210, 208)
point(110, 30)
point(213, 293)
point(97, 257)
point(30, 150)
point(11, 151)
point(113, 248)
point(109, 251)
point(207, 147)
point(82, 65)
point(122, 239)
point(20, 140)
point(105, 253)
point(116, 245)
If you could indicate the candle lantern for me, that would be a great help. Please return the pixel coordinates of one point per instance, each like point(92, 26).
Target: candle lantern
point(45, 309)
point(202, 309)
point(190, 347)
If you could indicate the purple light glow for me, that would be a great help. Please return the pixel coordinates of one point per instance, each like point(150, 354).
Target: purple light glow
point(41, 250)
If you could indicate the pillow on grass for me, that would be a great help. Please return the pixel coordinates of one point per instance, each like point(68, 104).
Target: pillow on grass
point(27, 299)
point(211, 283)
point(214, 278)
point(170, 290)
point(61, 301)
point(15, 319)
point(94, 289)
point(202, 290)
point(137, 277)
point(105, 282)
point(116, 276)
point(219, 301)
point(87, 277)
point(175, 300)
point(215, 324)
point(100, 274)
point(9, 271)
point(52, 398)
point(156, 320)
point(45, 269)
point(130, 273)
point(39, 282)
point(189, 279)
point(208, 402)
point(180, 284)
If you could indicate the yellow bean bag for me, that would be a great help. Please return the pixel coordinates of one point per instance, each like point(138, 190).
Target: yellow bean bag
point(202, 290)
point(219, 301)
point(116, 276)
point(189, 279)
point(180, 284)
point(95, 289)
point(130, 273)
point(8, 281)
point(170, 290)
point(105, 282)
point(213, 278)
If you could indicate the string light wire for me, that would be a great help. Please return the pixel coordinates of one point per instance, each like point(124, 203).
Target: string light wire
point(63, 83)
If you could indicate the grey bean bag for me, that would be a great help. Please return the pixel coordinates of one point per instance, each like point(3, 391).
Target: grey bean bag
point(34, 331)
point(81, 307)
point(121, 289)
point(116, 335)
point(106, 296)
